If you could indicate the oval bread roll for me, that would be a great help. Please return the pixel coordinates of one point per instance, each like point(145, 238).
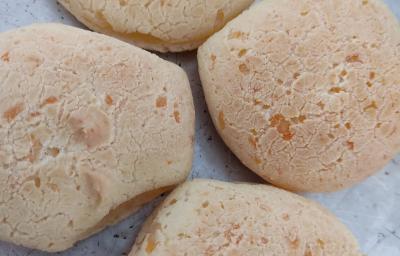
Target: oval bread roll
point(306, 93)
point(161, 25)
point(206, 217)
point(90, 129)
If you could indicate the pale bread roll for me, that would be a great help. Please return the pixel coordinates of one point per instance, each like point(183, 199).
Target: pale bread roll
point(161, 25)
point(90, 129)
point(306, 93)
point(206, 218)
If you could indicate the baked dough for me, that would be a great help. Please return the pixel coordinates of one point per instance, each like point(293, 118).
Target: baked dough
point(207, 218)
point(306, 93)
point(90, 129)
point(161, 25)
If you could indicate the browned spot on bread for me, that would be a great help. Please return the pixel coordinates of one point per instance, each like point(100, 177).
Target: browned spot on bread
point(369, 84)
point(343, 73)
point(253, 141)
point(36, 147)
point(242, 52)
point(53, 187)
point(5, 57)
point(373, 105)
point(282, 126)
point(321, 105)
point(37, 182)
point(173, 201)
point(169, 162)
point(257, 160)
point(221, 120)
point(239, 239)
point(308, 252)
point(336, 90)
point(353, 58)
point(54, 152)
point(34, 61)
point(279, 81)
point(304, 13)
point(219, 19)
point(347, 125)
point(244, 69)
point(161, 102)
point(294, 243)
point(372, 75)
point(109, 100)
point(276, 119)
point(364, 2)
point(124, 2)
point(177, 116)
point(11, 113)
point(300, 119)
point(50, 100)
point(70, 224)
point(235, 34)
point(285, 216)
point(90, 126)
point(350, 145)
point(213, 57)
point(321, 244)
point(151, 244)
point(34, 114)
point(264, 240)
point(205, 204)
point(257, 102)
point(296, 75)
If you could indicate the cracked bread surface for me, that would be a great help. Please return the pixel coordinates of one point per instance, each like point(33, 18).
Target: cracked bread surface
point(90, 129)
point(208, 217)
point(161, 25)
point(306, 93)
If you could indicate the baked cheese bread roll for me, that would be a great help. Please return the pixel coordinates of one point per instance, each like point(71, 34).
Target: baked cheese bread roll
point(206, 217)
point(161, 25)
point(306, 93)
point(90, 129)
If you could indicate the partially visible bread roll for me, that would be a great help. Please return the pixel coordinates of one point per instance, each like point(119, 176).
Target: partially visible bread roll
point(90, 129)
point(161, 25)
point(206, 218)
point(306, 92)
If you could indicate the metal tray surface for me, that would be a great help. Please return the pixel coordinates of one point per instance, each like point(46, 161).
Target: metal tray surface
point(371, 209)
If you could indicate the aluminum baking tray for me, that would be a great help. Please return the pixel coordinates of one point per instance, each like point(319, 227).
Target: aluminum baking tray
point(371, 209)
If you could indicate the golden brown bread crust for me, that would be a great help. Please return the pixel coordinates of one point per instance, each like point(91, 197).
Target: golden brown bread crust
point(162, 25)
point(207, 218)
point(305, 93)
point(90, 129)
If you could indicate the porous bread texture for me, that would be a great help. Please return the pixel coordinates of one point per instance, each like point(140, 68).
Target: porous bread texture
point(306, 93)
point(207, 218)
point(90, 129)
point(161, 25)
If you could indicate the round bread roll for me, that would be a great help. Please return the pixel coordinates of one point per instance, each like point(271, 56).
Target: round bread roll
point(90, 129)
point(306, 93)
point(205, 217)
point(161, 25)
